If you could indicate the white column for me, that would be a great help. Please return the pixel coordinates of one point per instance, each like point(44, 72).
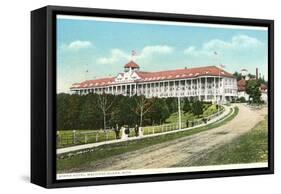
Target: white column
point(185, 89)
point(223, 92)
point(191, 87)
point(162, 88)
point(169, 92)
point(200, 86)
point(175, 88)
point(206, 89)
point(197, 85)
point(146, 90)
point(214, 94)
point(154, 89)
point(180, 85)
point(151, 94)
point(161, 92)
point(126, 90)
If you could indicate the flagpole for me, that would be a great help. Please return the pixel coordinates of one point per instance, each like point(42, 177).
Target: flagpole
point(133, 53)
point(179, 111)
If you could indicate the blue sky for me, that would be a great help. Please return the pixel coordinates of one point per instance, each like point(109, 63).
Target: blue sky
point(88, 49)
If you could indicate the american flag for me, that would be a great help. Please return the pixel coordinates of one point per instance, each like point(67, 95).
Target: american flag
point(134, 53)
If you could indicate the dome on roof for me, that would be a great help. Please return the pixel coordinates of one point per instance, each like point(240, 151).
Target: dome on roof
point(132, 65)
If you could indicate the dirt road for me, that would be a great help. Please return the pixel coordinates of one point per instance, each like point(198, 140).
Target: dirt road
point(183, 150)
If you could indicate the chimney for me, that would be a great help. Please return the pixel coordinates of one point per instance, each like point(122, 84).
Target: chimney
point(257, 73)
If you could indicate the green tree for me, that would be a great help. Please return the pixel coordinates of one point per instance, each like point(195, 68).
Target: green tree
point(62, 109)
point(237, 75)
point(242, 99)
point(105, 102)
point(187, 106)
point(141, 106)
point(197, 108)
point(72, 112)
point(159, 111)
point(253, 89)
point(172, 104)
point(90, 115)
point(124, 111)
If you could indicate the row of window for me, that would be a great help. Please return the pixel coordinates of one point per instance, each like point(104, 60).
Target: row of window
point(209, 87)
point(162, 93)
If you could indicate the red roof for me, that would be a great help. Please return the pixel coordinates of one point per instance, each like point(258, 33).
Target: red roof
point(263, 87)
point(94, 83)
point(183, 73)
point(159, 76)
point(132, 64)
point(241, 85)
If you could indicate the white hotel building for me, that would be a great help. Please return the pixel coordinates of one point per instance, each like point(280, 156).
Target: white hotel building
point(208, 83)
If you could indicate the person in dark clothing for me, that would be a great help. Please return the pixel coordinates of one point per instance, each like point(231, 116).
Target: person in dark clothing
point(137, 130)
point(117, 131)
point(127, 130)
point(205, 120)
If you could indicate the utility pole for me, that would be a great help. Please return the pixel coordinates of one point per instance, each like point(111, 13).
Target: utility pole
point(179, 110)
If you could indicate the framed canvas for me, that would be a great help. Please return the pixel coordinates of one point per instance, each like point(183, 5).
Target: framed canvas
point(125, 96)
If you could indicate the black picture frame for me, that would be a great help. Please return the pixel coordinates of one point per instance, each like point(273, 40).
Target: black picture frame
point(43, 95)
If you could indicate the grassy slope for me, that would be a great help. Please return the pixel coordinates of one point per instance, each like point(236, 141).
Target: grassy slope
point(248, 148)
point(64, 164)
point(208, 110)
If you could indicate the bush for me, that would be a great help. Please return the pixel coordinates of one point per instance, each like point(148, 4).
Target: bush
point(242, 99)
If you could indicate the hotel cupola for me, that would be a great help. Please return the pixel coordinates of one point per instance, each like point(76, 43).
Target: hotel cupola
point(131, 66)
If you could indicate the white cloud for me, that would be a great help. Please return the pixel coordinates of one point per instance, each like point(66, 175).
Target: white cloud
point(116, 55)
point(189, 50)
point(155, 49)
point(237, 43)
point(78, 44)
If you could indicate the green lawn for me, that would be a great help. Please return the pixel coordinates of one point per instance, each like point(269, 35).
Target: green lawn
point(67, 162)
point(248, 148)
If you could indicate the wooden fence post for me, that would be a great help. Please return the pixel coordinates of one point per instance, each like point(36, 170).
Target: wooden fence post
point(74, 136)
point(86, 139)
point(97, 136)
point(58, 138)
